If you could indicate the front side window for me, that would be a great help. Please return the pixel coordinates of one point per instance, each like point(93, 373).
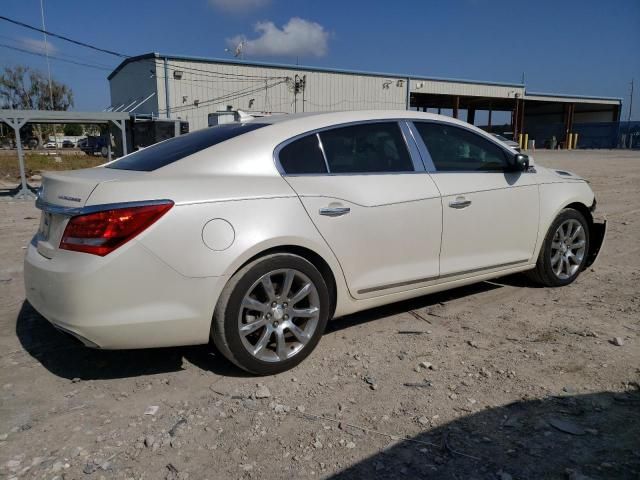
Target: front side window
point(457, 149)
point(366, 148)
point(302, 156)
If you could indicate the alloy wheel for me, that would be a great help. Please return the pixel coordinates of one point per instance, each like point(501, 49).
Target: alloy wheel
point(279, 315)
point(568, 248)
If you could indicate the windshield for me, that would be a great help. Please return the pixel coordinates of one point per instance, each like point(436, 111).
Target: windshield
point(162, 154)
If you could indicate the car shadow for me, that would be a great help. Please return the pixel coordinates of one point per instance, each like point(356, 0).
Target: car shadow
point(579, 437)
point(418, 305)
point(66, 357)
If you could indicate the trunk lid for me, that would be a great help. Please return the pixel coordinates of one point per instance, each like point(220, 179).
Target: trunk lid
point(63, 191)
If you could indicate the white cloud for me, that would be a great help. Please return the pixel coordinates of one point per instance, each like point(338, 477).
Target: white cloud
point(37, 46)
point(298, 37)
point(239, 6)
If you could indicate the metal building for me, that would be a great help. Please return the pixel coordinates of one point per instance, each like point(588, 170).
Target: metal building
point(192, 88)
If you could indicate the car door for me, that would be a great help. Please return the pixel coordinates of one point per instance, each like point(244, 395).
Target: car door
point(490, 212)
point(368, 195)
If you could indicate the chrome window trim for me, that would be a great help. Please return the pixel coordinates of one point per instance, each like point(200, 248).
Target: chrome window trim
point(324, 155)
point(509, 154)
point(75, 211)
point(318, 131)
point(414, 153)
point(429, 166)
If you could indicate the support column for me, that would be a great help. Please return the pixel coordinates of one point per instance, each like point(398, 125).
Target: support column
point(121, 124)
point(489, 121)
point(456, 106)
point(408, 99)
point(568, 122)
point(471, 115)
point(166, 88)
point(515, 120)
point(17, 123)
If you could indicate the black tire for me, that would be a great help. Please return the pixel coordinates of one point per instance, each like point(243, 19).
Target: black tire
point(224, 328)
point(543, 274)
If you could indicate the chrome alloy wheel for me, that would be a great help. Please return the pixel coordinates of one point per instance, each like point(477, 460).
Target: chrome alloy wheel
point(279, 315)
point(568, 248)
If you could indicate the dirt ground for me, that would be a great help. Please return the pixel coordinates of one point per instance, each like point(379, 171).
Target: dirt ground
point(500, 380)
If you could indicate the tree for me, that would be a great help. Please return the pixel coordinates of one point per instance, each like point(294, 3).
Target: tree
point(24, 88)
point(73, 130)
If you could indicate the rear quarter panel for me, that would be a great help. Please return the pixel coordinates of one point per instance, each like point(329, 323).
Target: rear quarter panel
point(258, 225)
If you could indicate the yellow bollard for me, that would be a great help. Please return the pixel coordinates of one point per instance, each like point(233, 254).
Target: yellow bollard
point(526, 142)
point(569, 141)
point(520, 140)
point(575, 140)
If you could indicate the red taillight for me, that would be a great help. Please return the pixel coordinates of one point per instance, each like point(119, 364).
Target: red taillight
point(101, 233)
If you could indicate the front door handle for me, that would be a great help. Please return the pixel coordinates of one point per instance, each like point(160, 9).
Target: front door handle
point(459, 203)
point(334, 211)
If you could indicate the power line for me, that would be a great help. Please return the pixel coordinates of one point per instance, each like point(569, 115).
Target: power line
point(228, 97)
point(53, 57)
point(62, 37)
point(122, 55)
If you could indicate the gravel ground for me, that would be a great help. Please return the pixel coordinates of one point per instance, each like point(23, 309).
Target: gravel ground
point(500, 380)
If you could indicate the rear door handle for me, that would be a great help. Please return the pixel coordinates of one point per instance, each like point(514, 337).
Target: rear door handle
point(334, 211)
point(459, 203)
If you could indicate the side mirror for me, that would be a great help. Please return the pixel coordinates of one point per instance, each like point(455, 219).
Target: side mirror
point(521, 162)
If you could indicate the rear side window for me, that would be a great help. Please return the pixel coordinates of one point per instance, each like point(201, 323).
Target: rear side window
point(169, 151)
point(303, 156)
point(455, 149)
point(366, 148)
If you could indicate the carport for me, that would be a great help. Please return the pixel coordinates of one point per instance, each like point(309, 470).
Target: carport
point(457, 95)
point(549, 119)
point(16, 119)
point(594, 119)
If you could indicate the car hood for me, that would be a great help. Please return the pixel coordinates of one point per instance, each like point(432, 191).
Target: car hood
point(558, 175)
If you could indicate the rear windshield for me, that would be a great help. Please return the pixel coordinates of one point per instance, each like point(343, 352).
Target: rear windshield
point(161, 154)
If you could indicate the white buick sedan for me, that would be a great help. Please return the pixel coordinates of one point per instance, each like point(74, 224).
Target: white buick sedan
point(253, 235)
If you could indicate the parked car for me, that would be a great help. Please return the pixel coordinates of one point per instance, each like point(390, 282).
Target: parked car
point(510, 143)
point(50, 144)
point(68, 144)
point(255, 234)
point(92, 145)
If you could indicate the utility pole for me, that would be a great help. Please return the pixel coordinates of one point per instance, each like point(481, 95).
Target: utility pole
point(298, 85)
point(629, 116)
point(46, 53)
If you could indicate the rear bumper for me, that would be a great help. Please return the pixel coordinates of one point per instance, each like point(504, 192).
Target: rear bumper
point(128, 299)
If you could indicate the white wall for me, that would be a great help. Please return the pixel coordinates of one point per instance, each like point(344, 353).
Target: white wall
point(135, 82)
point(270, 91)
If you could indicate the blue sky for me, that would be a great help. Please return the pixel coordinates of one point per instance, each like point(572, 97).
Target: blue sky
point(587, 47)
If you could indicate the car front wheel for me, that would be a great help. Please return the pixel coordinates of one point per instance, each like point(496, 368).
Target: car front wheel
point(271, 314)
point(565, 250)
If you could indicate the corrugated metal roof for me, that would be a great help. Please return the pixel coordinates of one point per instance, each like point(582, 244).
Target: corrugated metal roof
point(569, 97)
point(300, 67)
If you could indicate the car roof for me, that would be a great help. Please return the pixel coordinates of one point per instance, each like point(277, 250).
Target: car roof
point(299, 123)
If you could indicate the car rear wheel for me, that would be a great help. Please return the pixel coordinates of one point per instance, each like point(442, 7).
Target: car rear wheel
point(271, 314)
point(565, 250)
